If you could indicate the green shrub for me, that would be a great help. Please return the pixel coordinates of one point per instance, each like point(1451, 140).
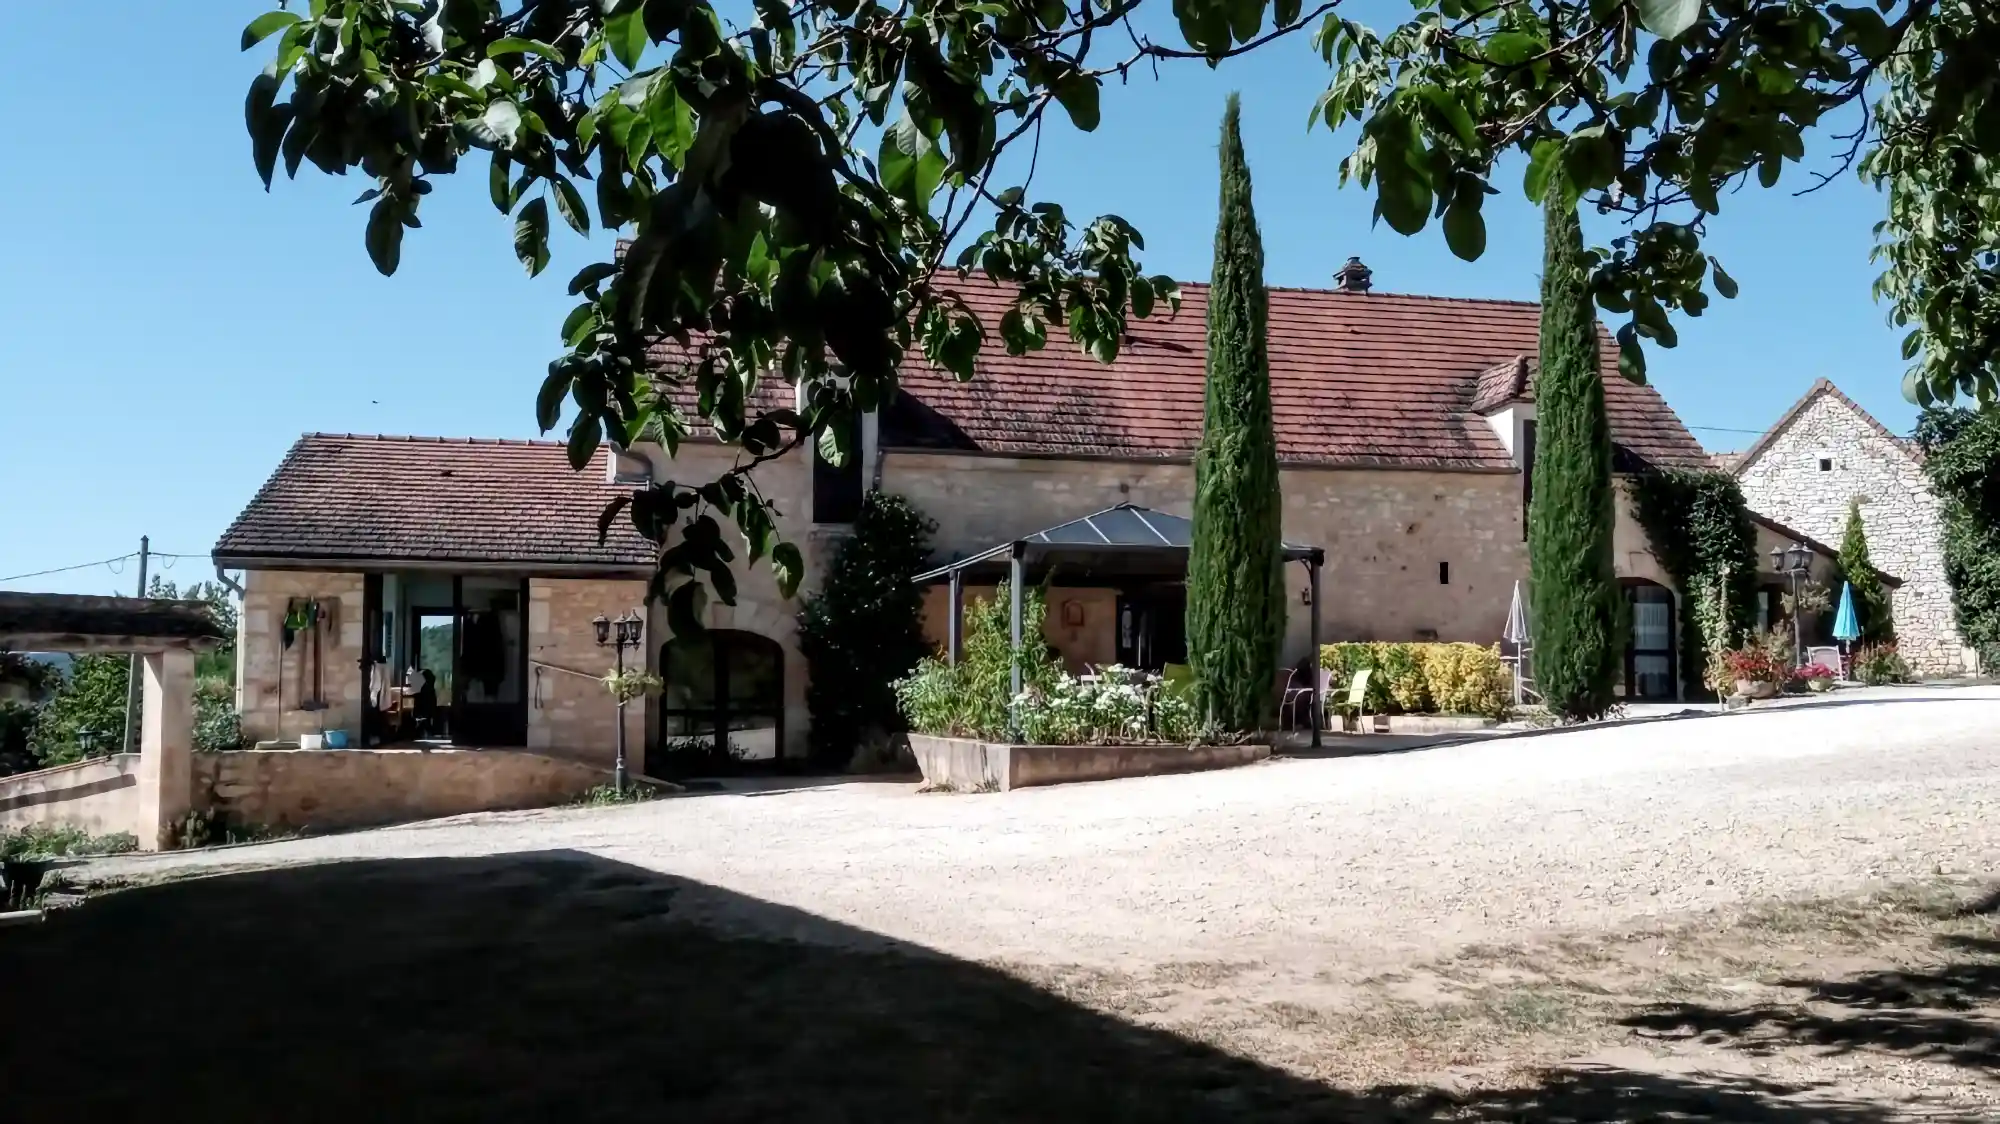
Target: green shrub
point(972, 698)
point(1421, 678)
point(59, 840)
point(864, 629)
point(1962, 459)
point(1878, 664)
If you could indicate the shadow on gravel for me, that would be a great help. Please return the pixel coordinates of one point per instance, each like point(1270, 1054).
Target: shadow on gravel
point(1945, 1014)
point(559, 986)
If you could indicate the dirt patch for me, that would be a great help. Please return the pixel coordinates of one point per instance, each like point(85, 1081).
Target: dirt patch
point(1890, 1001)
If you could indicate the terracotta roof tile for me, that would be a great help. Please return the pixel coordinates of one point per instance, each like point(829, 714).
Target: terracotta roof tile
point(347, 497)
point(1356, 379)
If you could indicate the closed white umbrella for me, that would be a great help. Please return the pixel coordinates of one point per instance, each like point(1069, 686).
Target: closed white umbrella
point(1517, 619)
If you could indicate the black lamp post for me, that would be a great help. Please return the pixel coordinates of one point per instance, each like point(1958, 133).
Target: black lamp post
point(625, 632)
point(1795, 561)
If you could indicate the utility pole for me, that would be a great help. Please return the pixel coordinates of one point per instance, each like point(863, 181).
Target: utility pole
point(133, 671)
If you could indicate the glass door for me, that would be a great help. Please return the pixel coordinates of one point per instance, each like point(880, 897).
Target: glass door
point(490, 672)
point(1649, 652)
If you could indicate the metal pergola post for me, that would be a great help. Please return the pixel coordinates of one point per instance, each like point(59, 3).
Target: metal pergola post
point(1313, 563)
point(955, 633)
point(1016, 578)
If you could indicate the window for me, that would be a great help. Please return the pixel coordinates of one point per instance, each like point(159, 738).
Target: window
point(1527, 474)
point(1826, 464)
point(725, 687)
point(837, 489)
point(1444, 573)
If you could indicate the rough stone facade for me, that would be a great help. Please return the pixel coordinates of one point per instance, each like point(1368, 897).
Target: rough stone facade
point(270, 690)
point(570, 711)
point(1409, 555)
point(360, 787)
point(1827, 452)
point(760, 608)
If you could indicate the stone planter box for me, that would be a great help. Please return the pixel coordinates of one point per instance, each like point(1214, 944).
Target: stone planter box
point(966, 765)
point(1416, 723)
point(1756, 689)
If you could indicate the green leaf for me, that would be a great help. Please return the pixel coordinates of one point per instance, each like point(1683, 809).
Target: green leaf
point(548, 403)
point(585, 434)
point(1465, 227)
point(513, 45)
point(1631, 356)
point(1543, 160)
point(592, 274)
point(385, 235)
point(499, 127)
point(1668, 18)
point(610, 512)
point(627, 36)
point(1078, 94)
point(531, 236)
point(496, 182)
point(1403, 199)
point(789, 568)
point(1724, 283)
point(266, 25)
point(1512, 48)
point(569, 204)
point(579, 323)
point(670, 119)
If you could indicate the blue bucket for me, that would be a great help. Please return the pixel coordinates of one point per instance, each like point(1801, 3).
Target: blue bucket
point(336, 739)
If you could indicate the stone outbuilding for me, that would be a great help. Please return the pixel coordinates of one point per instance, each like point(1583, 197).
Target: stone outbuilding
point(1826, 452)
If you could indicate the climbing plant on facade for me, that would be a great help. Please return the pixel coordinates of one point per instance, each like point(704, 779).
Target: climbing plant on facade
point(1962, 460)
point(1698, 527)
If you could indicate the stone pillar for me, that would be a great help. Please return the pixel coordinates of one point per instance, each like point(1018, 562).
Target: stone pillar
point(166, 746)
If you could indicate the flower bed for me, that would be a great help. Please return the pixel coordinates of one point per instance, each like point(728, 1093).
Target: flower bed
point(970, 731)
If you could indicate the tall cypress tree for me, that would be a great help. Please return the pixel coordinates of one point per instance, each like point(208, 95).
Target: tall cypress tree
point(1871, 601)
point(1236, 601)
point(1578, 648)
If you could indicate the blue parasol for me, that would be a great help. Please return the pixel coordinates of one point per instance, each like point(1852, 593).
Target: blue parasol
point(1845, 625)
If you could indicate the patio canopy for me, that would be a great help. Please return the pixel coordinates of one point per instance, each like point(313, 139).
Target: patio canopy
point(1126, 541)
point(1123, 541)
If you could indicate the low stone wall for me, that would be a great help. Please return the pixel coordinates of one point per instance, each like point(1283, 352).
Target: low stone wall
point(361, 787)
point(965, 764)
point(100, 795)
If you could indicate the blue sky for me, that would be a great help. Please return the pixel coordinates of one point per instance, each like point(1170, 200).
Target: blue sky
point(167, 329)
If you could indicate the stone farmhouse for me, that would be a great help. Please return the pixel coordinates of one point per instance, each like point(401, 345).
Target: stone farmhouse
point(1825, 452)
point(1405, 428)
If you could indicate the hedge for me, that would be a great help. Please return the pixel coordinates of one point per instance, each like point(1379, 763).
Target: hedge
point(1422, 678)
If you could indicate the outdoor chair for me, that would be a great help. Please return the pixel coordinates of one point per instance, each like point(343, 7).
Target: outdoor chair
point(1288, 699)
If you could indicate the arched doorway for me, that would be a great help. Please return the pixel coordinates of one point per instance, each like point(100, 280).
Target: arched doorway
point(724, 687)
point(1650, 655)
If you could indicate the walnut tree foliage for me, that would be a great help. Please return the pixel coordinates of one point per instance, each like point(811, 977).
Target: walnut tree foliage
point(793, 182)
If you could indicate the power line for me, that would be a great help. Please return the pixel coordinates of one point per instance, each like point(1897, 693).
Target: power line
point(67, 569)
point(1725, 429)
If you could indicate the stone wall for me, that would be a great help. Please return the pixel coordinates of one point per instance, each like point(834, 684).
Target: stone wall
point(1787, 483)
point(271, 693)
point(100, 796)
point(360, 787)
point(760, 608)
point(1409, 555)
point(570, 712)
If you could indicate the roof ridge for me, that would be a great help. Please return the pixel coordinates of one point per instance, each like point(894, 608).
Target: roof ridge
point(425, 439)
point(1821, 386)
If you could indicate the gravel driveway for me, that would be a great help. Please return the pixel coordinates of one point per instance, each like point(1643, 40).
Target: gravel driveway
point(1336, 867)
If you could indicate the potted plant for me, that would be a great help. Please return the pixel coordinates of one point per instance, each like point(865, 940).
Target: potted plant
point(1756, 672)
point(1816, 676)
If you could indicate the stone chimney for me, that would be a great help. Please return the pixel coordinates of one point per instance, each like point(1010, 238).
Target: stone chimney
point(1352, 277)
